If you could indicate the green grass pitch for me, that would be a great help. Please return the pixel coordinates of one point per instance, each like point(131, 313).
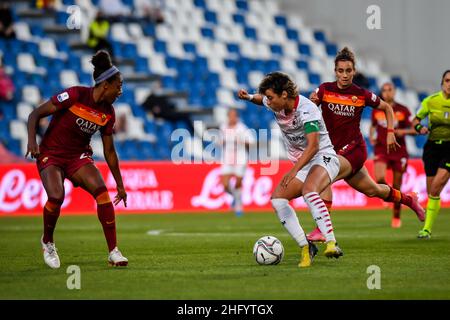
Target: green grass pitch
point(209, 256)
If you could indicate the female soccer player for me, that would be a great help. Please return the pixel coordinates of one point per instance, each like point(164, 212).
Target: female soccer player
point(236, 138)
point(342, 105)
point(436, 153)
point(398, 159)
point(316, 164)
point(78, 112)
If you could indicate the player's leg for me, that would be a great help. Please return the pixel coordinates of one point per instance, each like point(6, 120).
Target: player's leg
point(380, 171)
point(226, 182)
point(53, 181)
point(363, 183)
point(237, 194)
point(317, 180)
point(434, 200)
point(396, 184)
point(288, 218)
point(89, 178)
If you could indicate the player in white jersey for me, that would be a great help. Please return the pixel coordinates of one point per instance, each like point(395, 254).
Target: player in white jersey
point(316, 164)
point(236, 138)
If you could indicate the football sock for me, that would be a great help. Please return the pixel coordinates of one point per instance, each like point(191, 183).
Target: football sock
point(237, 194)
point(328, 204)
point(105, 212)
point(397, 208)
point(433, 206)
point(320, 214)
point(289, 220)
point(52, 209)
point(397, 196)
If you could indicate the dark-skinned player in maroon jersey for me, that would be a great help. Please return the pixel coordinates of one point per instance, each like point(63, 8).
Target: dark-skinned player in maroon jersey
point(65, 152)
point(397, 160)
point(342, 104)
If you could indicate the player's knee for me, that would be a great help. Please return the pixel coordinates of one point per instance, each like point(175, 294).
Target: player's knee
point(54, 204)
point(101, 195)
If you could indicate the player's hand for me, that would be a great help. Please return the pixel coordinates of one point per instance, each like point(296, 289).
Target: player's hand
point(424, 130)
point(314, 97)
point(391, 142)
point(32, 150)
point(243, 94)
point(287, 178)
point(121, 195)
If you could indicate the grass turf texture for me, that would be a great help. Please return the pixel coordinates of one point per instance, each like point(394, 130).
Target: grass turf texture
point(209, 256)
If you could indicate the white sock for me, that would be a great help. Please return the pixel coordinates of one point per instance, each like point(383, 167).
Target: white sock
point(289, 220)
point(237, 194)
point(320, 214)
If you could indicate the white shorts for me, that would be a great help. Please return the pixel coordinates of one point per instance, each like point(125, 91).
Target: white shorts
point(234, 169)
point(328, 161)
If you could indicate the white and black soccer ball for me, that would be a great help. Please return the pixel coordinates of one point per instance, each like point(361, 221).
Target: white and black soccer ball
point(268, 250)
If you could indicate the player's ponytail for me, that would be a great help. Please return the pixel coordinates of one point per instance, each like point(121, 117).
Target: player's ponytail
point(345, 55)
point(103, 67)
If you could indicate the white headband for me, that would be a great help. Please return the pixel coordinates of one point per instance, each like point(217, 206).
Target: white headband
point(106, 74)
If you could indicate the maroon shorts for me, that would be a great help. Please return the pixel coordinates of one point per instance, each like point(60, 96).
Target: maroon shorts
point(395, 162)
point(356, 153)
point(69, 165)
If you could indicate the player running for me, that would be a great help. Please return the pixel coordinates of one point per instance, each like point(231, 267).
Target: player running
point(316, 164)
point(397, 160)
point(78, 112)
point(342, 104)
point(436, 153)
point(236, 137)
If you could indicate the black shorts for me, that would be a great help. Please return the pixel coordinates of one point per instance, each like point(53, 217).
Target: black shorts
point(436, 155)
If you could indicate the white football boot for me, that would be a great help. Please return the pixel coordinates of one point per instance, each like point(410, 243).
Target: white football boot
point(117, 259)
point(51, 257)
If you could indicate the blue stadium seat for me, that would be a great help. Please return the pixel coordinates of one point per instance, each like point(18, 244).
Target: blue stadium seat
point(160, 46)
point(304, 49)
point(314, 78)
point(281, 21)
point(14, 146)
point(331, 49)
point(239, 18)
point(398, 82)
point(149, 30)
point(168, 82)
point(276, 49)
point(129, 50)
point(367, 113)
point(233, 48)
point(230, 63)
point(319, 36)
point(250, 33)
point(141, 65)
point(190, 48)
point(421, 96)
point(302, 64)
point(242, 4)
point(210, 16)
point(200, 4)
point(292, 35)
point(62, 17)
point(207, 33)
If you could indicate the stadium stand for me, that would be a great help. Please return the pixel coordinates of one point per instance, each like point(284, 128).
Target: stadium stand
point(202, 53)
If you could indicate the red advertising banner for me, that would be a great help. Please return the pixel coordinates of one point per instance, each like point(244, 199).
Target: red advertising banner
point(155, 187)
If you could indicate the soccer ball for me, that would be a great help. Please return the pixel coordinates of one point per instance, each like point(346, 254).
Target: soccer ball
point(268, 250)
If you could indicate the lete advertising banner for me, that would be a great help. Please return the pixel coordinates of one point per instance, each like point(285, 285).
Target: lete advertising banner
point(155, 187)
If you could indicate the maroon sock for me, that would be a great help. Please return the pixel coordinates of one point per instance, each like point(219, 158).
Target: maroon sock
point(397, 207)
point(106, 215)
point(396, 196)
point(51, 214)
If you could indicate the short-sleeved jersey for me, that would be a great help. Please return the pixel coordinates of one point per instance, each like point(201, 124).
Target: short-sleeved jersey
point(401, 121)
point(292, 126)
point(78, 117)
point(235, 138)
point(437, 108)
point(342, 110)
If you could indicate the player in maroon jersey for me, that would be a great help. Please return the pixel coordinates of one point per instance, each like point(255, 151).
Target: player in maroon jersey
point(342, 105)
point(398, 160)
point(65, 152)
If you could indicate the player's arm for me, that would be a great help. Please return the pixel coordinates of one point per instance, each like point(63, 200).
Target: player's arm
point(391, 142)
point(255, 98)
point(422, 113)
point(312, 147)
point(417, 127)
point(372, 131)
point(42, 111)
point(112, 160)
